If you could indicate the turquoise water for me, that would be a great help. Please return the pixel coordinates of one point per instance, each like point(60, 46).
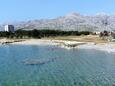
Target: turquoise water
point(69, 67)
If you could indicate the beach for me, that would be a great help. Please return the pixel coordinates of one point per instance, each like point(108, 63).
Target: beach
point(67, 42)
point(109, 47)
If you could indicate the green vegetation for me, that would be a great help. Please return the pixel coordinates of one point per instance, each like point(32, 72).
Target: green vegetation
point(41, 33)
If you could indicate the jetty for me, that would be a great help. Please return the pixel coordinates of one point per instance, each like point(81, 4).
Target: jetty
point(69, 44)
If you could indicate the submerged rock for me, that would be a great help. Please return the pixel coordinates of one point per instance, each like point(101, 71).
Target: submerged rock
point(33, 62)
point(37, 61)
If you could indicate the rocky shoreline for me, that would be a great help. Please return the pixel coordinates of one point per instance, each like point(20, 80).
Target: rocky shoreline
point(10, 41)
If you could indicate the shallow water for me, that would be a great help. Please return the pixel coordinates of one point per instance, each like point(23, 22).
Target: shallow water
point(75, 67)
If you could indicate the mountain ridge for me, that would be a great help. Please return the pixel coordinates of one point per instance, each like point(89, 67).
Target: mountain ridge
point(72, 21)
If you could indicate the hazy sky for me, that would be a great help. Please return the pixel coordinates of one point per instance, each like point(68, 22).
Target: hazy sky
point(19, 10)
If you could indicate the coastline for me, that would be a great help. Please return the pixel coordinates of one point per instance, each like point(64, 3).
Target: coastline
point(109, 47)
point(103, 47)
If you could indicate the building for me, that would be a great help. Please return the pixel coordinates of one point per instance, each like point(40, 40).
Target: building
point(9, 28)
point(97, 33)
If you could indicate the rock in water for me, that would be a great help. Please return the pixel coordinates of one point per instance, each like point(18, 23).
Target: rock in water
point(36, 61)
point(33, 62)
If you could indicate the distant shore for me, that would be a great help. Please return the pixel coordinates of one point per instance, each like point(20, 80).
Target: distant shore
point(68, 44)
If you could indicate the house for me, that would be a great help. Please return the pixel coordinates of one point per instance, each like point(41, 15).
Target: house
point(113, 36)
point(113, 40)
point(97, 33)
point(9, 28)
point(106, 35)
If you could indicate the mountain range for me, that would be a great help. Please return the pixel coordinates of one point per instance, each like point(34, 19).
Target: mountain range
point(72, 21)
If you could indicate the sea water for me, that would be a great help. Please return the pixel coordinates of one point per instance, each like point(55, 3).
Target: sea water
point(74, 67)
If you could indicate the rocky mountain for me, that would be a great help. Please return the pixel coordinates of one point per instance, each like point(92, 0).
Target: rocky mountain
point(72, 21)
